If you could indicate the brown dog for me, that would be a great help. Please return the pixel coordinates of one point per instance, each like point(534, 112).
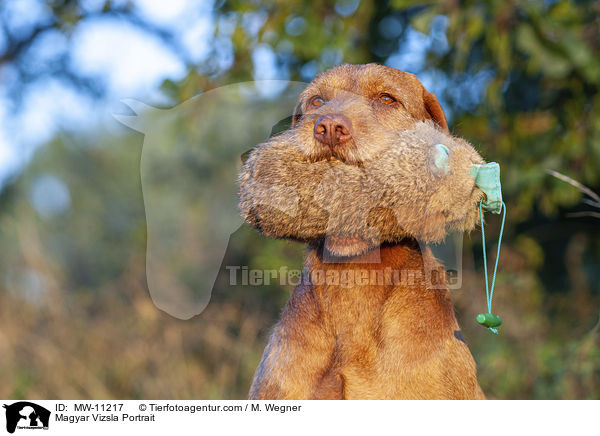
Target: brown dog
point(358, 170)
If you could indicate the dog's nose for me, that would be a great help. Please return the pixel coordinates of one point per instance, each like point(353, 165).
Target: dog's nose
point(333, 129)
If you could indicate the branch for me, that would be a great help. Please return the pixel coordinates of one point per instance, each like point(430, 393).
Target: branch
point(580, 214)
point(584, 189)
point(16, 47)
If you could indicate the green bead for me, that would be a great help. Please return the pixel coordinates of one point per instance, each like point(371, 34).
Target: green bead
point(489, 319)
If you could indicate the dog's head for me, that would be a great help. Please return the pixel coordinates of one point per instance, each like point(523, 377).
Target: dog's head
point(369, 159)
point(353, 112)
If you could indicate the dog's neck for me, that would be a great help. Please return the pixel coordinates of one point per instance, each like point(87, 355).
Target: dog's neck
point(368, 256)
point(364, 283)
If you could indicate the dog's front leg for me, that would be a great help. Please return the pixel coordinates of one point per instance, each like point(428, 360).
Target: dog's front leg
point(297, 362)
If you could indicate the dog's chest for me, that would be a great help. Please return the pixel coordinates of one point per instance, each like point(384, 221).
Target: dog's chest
point(371, 323)
point(386, 334)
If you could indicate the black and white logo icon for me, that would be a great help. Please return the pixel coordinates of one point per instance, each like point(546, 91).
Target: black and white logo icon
point(26, 415)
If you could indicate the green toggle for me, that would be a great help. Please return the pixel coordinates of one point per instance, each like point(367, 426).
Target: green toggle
point(487, 178)
point(489, 320)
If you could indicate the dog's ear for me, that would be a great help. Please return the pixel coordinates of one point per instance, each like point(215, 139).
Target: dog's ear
point(434, 110)
point(297, 113)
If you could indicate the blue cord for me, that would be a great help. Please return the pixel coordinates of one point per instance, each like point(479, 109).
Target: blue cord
point(489, 291)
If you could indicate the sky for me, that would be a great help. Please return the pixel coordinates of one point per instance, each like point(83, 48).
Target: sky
point(132, 62)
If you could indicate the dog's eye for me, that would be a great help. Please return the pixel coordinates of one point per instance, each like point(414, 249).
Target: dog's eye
point(385, 98)
point(317, 101)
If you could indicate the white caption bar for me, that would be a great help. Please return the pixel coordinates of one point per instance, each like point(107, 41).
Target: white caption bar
point(297, 417)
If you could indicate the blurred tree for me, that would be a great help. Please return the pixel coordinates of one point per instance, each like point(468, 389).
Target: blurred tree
point(519, 79)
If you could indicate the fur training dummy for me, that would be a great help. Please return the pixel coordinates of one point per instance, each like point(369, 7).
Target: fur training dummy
point(419, 187)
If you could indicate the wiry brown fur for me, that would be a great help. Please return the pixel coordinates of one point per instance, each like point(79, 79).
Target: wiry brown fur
point(362, 206)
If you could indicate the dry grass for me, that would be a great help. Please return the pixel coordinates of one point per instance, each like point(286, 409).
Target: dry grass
point(117, 344)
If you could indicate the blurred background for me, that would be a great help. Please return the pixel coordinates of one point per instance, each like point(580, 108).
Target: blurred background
point(520, 80)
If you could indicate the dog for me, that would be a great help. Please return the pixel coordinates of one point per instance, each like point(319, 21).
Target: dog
point(367, 189)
